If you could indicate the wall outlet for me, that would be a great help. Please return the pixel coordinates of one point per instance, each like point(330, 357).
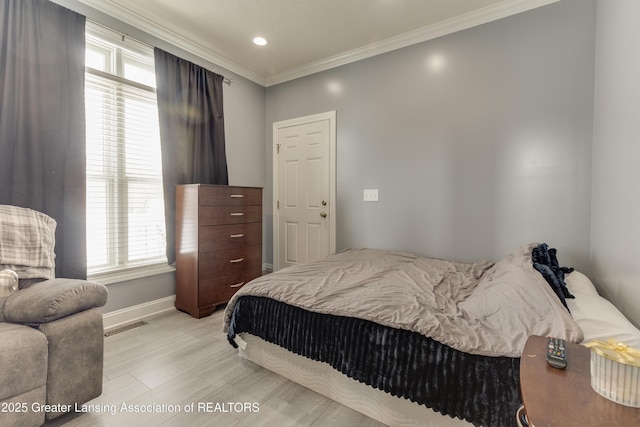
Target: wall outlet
point(370, 195)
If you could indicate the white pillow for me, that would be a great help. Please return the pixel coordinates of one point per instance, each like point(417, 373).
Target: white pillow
point(598, 318)
point(578, 283)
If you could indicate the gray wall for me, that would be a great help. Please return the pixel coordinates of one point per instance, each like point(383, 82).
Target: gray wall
point(479, 141)
point(615, 227)
point(244, 107)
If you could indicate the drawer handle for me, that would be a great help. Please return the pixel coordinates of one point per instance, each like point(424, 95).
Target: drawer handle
point(237, 285)
point(237, 213)
point(237, 196)
point(235, 236)
point(237, 260)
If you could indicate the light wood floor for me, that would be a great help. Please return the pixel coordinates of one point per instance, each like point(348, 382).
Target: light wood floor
point(177, 361)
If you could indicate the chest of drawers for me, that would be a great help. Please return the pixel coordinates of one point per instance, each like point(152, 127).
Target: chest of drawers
point(218, 244)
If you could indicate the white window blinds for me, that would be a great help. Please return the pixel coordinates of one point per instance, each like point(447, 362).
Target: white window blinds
point(125, 204)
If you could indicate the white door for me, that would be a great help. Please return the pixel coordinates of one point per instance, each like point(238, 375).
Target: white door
point(304, 189)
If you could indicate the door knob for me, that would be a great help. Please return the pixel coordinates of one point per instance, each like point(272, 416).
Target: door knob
point(324, 203)
point(323, 214)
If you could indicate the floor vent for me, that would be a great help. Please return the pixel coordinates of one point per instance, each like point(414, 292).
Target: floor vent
point(125, 328)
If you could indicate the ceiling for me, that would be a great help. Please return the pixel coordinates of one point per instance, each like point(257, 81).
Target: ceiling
point(305, 36)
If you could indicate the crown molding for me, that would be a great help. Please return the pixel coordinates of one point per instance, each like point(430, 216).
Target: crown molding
point(449, 26)
point(142, 23)
point(430, 32)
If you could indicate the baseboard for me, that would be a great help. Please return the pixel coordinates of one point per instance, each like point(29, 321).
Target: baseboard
point(266, 267)
point(134, 313)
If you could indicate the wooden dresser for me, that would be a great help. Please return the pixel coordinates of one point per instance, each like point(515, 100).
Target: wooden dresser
point(218, 244)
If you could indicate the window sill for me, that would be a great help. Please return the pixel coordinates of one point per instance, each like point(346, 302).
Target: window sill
point(120, 276)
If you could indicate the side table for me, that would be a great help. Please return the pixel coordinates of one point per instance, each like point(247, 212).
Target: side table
point(564, 397)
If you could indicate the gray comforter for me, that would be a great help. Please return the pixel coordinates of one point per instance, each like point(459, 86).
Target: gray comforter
point(480, 308)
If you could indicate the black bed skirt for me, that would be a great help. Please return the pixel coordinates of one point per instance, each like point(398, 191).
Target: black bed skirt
point(480, 389)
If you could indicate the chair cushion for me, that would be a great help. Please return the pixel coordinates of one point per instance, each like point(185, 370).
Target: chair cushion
point(27, 242)
point(23, 357)
point(53, 299)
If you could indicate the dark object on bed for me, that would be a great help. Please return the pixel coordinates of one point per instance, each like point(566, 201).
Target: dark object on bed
point(546, 262)
point(425, 371)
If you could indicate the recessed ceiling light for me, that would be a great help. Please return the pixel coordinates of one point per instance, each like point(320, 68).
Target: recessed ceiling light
point(260, 41)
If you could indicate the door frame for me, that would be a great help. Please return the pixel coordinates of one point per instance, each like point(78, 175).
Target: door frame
point(331, 116)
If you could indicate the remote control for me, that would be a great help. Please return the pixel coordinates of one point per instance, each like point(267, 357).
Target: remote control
point(555, 353)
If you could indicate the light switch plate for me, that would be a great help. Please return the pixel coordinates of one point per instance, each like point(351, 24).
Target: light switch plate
point(370, 195)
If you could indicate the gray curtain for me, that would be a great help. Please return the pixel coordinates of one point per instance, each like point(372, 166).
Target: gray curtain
point(191, 130)
point(42, 127)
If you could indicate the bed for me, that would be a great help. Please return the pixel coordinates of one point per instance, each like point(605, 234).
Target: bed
point(410, 340)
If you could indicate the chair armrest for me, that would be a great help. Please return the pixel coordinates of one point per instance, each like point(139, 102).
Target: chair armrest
point(53, 299)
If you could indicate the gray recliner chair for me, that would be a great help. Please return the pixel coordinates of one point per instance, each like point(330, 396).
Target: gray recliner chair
point(51, 332)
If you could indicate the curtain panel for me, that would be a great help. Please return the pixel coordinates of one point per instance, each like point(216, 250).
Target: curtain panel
point(42, 121)
point(191, 130)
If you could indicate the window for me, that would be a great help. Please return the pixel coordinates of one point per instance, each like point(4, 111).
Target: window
point(125, 204)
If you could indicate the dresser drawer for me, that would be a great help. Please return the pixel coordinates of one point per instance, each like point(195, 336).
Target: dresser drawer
point(219, 215)
point(221, 237)
point(232, 261)
point(223, 195)
point(221, 289)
